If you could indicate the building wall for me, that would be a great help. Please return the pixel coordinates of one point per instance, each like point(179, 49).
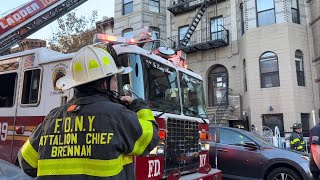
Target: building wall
point(139, 18)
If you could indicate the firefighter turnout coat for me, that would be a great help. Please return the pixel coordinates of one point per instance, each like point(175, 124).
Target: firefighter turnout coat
point(90, 138)
point(296, 142)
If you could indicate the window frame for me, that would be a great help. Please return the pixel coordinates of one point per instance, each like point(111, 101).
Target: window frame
point(179, 34)
point(39, 88)
point(262, 85)
point(299, 73)
point(125, 4)
point(156, 1)
point(15, 88)
point(216, 32)
point(257, 13)
point(242, 19)
point(127, 30)
point(297, 10)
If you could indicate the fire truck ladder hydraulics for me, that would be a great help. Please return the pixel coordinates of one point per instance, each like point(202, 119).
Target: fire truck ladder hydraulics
point(34, 25)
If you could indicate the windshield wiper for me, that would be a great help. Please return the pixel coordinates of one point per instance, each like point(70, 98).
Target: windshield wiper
point(194, 113)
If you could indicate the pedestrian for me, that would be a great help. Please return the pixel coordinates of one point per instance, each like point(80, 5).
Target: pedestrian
point(94, 135)
point(296, 139)
point(315, 151)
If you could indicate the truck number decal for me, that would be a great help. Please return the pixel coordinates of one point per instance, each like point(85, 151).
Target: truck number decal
point(154, 168)
point(203, 160)
point(3, 131)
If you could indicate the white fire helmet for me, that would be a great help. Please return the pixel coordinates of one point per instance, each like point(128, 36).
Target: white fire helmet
point(90, 64)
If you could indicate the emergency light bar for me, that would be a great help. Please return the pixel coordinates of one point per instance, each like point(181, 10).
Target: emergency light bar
point(112, 39)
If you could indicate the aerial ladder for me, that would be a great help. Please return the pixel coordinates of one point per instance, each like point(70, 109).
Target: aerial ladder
point(193, 25)
point(31, 17)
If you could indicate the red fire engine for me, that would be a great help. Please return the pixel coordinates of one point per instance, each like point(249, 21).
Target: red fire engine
point(28, 92)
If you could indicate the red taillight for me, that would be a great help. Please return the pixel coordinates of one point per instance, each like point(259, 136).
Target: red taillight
point(205, 136)
point(19, 129)
point(162, 134)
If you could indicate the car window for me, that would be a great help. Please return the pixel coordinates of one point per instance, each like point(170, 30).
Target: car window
point(212, 134)
point(232, 137)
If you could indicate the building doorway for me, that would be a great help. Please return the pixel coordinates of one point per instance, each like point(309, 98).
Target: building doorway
point(218, 86)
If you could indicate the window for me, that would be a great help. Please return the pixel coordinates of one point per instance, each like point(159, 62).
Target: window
point(265, 12)
point(232, 137)
point(299, 68)
point(245, 75)
point(154, 6)
point(182, 32)
point(127, 6)
point(305, 118)
point(295, 11)
point(269, 70)
point(31, 86)
point(7, 90)
point(127, 33)
point(241, 18)
point(273, 120)
point(217, 28)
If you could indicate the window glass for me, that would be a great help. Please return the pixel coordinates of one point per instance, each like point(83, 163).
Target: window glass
point(299, 68)
point(266, 18)
point(31, 88)
point(192, 96)
point(269, 70)
point(7, 89)
point(265, 4)
point(305, 118)
point(273, 120)
point(161, 86)
point(265, 12)
point(217, 28)
point(232, 137)
point(154, 6)
point(127, 6)
point(182, 32)
point(127, 33)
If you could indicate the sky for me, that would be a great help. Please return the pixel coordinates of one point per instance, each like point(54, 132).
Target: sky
point(104, 8)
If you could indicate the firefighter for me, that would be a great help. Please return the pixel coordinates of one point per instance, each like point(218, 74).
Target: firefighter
point(314, 164)
point(93, 136)
point(296, 139)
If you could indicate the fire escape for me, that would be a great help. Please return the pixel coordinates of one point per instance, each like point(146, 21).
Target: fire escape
point(15, 36)
point(197, 40)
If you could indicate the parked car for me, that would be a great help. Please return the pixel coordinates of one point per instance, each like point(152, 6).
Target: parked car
point(243, 155)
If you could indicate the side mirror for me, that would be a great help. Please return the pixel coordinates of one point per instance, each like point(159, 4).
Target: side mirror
point(250, 144)
point(127, 90)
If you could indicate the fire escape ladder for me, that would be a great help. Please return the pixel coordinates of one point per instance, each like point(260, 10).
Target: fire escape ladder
point(194, 24)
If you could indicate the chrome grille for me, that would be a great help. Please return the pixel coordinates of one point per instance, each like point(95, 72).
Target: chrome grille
point(182, 146)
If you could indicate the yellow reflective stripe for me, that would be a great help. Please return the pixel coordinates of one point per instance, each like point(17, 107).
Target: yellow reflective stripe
point(145, 114)
point(302, 142)
point(295, 140)
point(299, 147)
point(141, 144)
point(29, 154)
point(85, 166)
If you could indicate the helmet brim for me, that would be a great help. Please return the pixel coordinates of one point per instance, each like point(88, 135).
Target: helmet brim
point(66, 82)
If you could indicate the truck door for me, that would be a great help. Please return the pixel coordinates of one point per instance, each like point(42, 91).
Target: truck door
point(8, 92)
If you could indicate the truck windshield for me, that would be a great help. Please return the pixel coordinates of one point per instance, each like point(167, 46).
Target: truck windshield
point(161, 89)
point(152, 81)
point(192, 96)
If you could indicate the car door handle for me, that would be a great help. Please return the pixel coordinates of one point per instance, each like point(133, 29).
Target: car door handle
point(222, 150)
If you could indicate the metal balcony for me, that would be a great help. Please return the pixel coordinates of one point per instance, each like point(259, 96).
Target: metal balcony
point(200, 40)
point(182, 6)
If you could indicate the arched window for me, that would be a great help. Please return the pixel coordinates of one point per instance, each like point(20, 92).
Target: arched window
point(127, 33)
point(269, 70)
point(299, 68)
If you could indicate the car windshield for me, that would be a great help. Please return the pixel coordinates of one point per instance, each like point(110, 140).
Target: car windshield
point(192, 96)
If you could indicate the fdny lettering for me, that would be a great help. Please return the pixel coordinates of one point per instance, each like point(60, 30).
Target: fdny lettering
point(67, 151)
point(77, 125)
point(98, 138)
point(203, 160)
point(16, 17)
point(154, 168)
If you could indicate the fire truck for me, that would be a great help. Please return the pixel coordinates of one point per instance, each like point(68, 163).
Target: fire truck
point(28, 92)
